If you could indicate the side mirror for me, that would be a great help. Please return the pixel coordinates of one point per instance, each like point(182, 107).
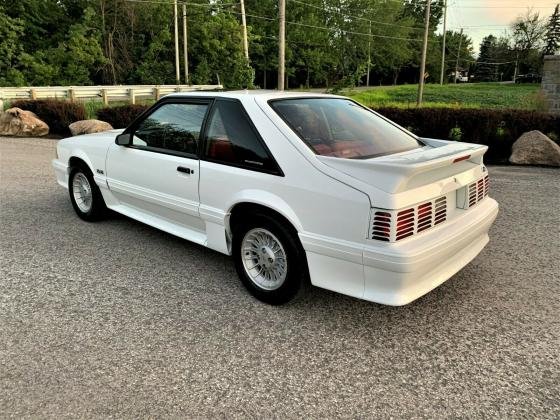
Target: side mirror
point(123, 139)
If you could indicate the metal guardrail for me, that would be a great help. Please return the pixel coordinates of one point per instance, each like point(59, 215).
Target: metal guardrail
point(129, 93)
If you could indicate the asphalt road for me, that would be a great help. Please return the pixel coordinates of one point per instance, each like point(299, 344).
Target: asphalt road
point(119, 319)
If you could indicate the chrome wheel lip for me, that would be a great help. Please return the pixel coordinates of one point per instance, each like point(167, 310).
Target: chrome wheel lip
point(82, 192)
point(264, 259)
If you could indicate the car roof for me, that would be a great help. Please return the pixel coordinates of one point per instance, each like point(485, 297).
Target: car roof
point(245, 94)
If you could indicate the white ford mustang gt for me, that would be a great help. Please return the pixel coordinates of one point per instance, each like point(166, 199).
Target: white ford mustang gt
point(296, 187)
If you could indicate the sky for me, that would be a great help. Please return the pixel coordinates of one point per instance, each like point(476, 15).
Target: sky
point(483, 17)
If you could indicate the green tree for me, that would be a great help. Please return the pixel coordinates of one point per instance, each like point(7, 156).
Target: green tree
point(485, 71)
point(552, 37)
point(11, 48)
point(454, 40)
point(528, 39)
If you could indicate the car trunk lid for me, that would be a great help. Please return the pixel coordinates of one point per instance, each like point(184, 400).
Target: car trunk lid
point(412, 169)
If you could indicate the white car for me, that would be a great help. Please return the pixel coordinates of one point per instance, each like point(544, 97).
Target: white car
point(296, 187)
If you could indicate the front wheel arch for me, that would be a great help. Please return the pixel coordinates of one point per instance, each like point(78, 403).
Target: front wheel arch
point(76, 162)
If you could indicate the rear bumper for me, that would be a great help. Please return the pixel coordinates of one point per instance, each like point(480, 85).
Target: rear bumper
point(408, 270)
point(398, 273)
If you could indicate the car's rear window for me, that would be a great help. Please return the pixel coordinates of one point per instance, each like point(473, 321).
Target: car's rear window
point(341, 128)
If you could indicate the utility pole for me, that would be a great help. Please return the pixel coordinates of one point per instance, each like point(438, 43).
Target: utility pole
point(185, 50)
point(177, 70)
point(424, 52)
point(458, 56)
point(443, 47)
point(244, 23)
point(281, 42)
point(516, 65)
point(368, 54)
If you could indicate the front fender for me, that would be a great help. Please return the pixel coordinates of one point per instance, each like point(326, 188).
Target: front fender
point(80, 154)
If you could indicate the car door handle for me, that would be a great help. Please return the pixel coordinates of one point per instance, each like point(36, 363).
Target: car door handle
point(185, 170)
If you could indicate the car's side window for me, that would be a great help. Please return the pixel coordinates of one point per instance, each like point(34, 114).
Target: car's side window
point(231, 139)
point(173, 127)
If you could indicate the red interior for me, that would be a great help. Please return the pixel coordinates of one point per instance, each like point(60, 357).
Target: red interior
point(221, 149)
point(348, 148)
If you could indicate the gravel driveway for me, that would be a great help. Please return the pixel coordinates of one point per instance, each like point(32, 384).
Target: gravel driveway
point(119, 319)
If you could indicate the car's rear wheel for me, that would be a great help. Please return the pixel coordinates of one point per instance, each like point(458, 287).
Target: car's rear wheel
point(269, 259)
point(85, 195)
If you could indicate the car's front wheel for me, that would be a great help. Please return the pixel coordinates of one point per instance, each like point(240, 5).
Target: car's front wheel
point(85, 195)
point(269, 259)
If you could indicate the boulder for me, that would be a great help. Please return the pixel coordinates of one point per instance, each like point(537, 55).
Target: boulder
point(17, 122)
point(534, 148)
point(88, 127)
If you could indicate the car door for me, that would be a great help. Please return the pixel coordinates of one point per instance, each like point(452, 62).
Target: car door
point(155, 177)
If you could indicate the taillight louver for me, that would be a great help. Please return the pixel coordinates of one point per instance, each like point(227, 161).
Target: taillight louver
point(394, 225)
point(425, 216)
point(405, 223)
point(440, 213)
point(381, 226)
point(476, 191)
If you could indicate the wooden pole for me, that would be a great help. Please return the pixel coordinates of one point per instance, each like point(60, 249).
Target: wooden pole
point(281, 42)
point(105, 97)
point(244, 24)
point(368, 55)
point(424, 52)
point(185, 49)
point(443, 46)
point(458, 55)
point(177, 69)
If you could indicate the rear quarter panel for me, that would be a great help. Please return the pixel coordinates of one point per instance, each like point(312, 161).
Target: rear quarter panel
point(314, 202)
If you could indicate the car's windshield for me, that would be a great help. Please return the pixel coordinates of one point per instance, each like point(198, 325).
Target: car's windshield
point(341, 128)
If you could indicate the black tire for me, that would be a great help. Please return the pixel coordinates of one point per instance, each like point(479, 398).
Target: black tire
point(97, 209)
point(296, 262)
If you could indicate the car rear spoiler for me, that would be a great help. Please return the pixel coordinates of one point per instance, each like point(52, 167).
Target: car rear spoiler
point(402, 171)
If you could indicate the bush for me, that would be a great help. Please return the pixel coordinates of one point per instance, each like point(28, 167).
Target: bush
point(498, 129)
point(58, 114)
point(120, 116)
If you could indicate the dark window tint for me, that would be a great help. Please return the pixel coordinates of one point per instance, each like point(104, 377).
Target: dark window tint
point(232, 139)
point(174, 127)
point(341, 128)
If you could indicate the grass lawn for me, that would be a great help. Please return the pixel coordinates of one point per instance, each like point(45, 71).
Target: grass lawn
point(469, 95)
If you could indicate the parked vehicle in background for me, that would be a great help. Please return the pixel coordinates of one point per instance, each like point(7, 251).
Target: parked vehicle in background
point(528, 78)
point(295, 187)
point(460, 76)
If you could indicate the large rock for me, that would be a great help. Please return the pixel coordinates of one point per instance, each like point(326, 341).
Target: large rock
point(17, 122)
point(88, 127)
point(534, 148)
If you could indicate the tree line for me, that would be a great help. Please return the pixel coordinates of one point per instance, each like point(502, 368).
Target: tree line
point(328, 43)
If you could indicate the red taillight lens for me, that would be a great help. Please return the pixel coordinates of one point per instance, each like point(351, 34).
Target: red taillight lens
point(394, 225)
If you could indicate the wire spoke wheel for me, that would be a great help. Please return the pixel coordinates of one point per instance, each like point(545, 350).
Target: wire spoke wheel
point(82, 192)
point(264, 259)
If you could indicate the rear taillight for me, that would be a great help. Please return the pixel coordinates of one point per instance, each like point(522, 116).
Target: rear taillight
point(395, 225)
point(473, 193)
point(381, 227)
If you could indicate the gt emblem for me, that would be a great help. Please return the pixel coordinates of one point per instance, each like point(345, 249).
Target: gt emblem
point(99, 171)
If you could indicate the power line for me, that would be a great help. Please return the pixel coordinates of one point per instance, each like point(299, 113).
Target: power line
point(353, 32)
point(483, 62)
point(333, 29)
point(507, 7)
point(417, 28)
point(209, 6)
point(479, 26)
